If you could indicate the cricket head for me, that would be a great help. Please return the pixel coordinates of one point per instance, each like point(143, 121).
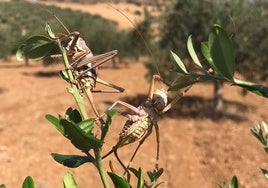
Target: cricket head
point(76, 47)
point(159, 100)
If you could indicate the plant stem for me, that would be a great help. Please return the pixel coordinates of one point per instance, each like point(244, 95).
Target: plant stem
point(80, 103)
point(102, 171)
point(74, 90)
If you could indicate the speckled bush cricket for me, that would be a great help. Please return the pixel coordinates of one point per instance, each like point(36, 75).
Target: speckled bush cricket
point(84, 65)
point(143, 118)
point(140, 124)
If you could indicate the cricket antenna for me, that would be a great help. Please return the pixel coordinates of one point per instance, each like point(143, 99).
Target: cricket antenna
point(54, 15)
point(60, 22)
point(141, 36)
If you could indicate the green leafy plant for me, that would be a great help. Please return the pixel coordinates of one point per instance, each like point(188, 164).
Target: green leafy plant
point(234, 184)
point(246, 21)
point(260, 131)
point(68, 182)
point(75, 124)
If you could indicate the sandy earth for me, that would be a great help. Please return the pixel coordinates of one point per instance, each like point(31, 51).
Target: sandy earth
point(196, 150)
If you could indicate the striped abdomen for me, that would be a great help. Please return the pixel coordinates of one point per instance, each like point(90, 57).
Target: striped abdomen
point(134, 131)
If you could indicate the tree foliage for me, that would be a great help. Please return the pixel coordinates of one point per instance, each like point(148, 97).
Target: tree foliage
point(247, 21)
point(18, 23)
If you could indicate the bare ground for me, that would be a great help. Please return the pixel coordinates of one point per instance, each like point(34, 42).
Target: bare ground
point(196, 150)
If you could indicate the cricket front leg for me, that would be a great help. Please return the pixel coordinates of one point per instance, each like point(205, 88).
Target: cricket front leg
point(157, 145)
point(138, 112)
point(152, 84)
point(136, 150)
point(75, 39)
point(176, 99)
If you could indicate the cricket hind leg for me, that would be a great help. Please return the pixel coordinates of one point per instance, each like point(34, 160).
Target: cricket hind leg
point(122, 164)
point(91, 101)
point(116, 89)
point(114, 150)
point(136, 150)
point(95, 61)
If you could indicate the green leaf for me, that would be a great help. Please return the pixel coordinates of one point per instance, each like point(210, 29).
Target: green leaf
point(155, 174)
point(69, 181)
point(234, 182)
point(257, 132)
point(206, 53)
point(265, 173)
point(87, 126)
point(159, 173)
point(192, 52)
point(222, 52)
point(178, 86)
point(77, 131)
point(182, 82)
point(73, 115)
point(64, 75)
point(138, 174)
point(140, 180)
point(180, 67)
point(252, 87)
point(111, 113)
point(265, 147)
point(107, 124)
point(50, 31)
point(28, 182)
point(78, 137)
point(56, 122)
point(2, 186)
point(35, 47)
point(119, 181)
point(134, 171)
point(72, 161)
point(20, 53)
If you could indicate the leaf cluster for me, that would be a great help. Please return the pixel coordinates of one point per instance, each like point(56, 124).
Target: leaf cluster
point(234, 183)
point(218, 51)
point(68, 182)
point(260, 132)
point(246, 21)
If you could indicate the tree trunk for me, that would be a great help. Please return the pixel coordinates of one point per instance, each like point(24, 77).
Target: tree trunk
point(218, 100)
point(26, 60)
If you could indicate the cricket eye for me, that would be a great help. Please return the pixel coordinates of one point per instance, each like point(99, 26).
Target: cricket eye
point(155, 101)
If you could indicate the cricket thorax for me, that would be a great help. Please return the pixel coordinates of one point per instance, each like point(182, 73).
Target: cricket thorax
point(81, 51)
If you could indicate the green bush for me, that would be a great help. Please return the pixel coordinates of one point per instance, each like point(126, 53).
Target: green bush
point(247, 21)
point(17, 24)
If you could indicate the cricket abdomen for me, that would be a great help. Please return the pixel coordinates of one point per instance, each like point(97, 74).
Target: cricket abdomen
point(134, 131)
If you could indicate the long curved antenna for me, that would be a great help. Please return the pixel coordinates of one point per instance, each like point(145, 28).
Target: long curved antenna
point(60, 22)
point(141, 36)
point(54, 15)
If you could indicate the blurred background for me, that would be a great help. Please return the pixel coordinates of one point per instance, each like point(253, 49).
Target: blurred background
point(205, 139)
